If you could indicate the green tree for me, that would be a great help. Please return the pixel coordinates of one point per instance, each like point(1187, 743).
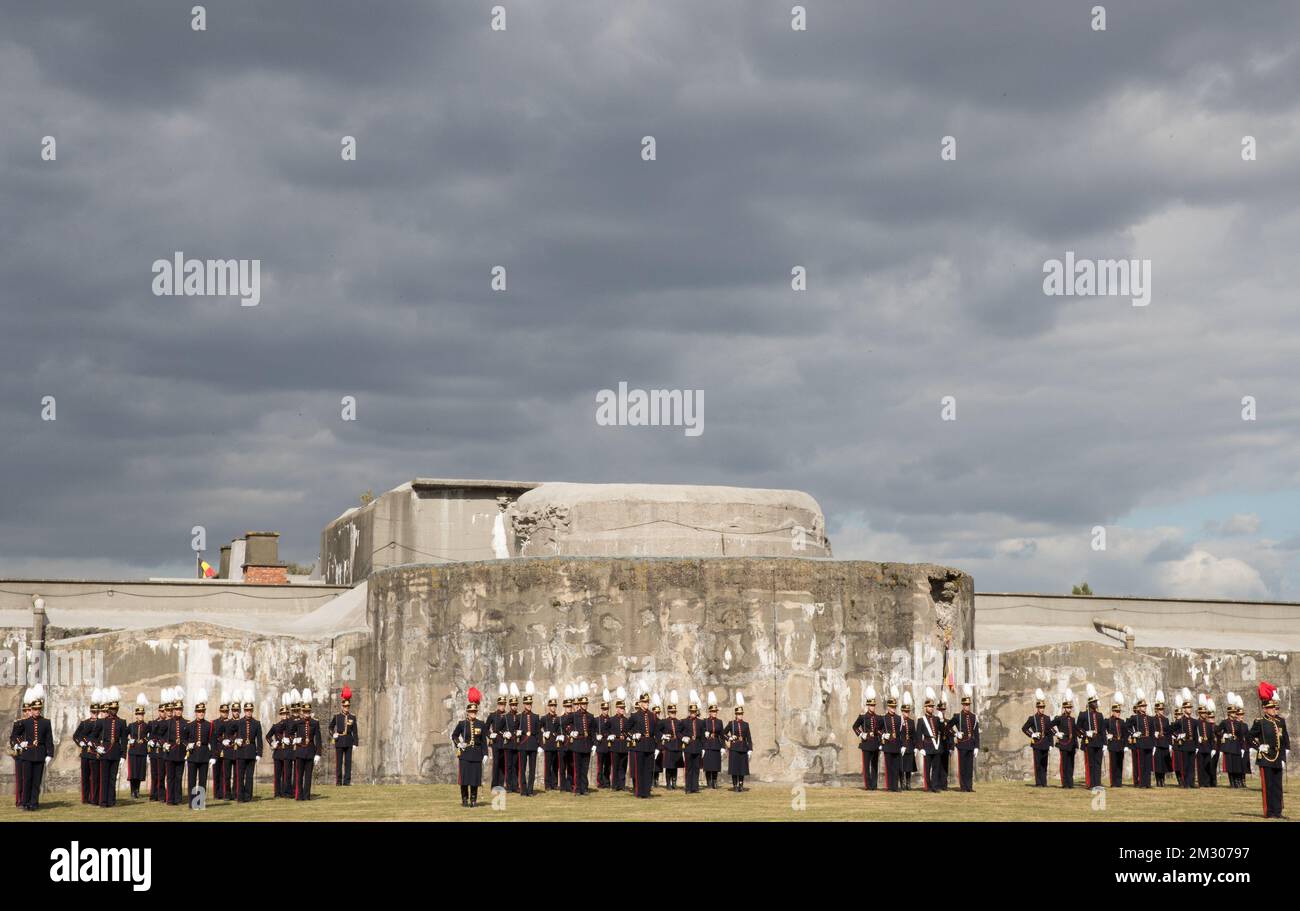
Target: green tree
point(1083, 589)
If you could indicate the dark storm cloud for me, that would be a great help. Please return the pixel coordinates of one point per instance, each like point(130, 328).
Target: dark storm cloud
point(522, 149)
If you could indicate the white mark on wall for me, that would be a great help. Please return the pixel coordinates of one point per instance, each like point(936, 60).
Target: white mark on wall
point(499, 548)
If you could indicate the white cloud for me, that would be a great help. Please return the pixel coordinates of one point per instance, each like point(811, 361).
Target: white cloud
point(1203, 575)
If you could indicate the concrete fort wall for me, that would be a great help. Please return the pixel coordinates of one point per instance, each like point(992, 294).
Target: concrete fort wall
point(798, 636)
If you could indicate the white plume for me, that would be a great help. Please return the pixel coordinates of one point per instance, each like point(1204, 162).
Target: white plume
point(967, 689)
point(672, 697)
point(141, 699)
point(929, 692)
point(514, 689)
point(1038, 694)
point(552, 692)
point(621, 693)
point(871, 691)
point(1119, 697)
point(1160, 695)
point(713, 698)
point(503, 690)
point(740, 698)
point(907, 698)
point(1091, 690)
point(893, 692)
point(529, 689)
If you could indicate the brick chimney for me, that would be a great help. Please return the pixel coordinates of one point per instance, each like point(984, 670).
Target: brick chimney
point(262, 564)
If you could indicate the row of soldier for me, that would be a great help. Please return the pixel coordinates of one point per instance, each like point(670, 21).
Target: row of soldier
point(925, 745)
point(642, 745)
point(176, 754)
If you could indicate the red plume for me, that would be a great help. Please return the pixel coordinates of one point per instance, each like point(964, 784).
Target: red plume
point(347, 691)
point(474, 695)
point(1266, 691)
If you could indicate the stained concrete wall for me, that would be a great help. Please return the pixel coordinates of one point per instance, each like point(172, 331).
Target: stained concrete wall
point(425, 520)
point(1073, 665)
point(799, 637)
point(667, 520)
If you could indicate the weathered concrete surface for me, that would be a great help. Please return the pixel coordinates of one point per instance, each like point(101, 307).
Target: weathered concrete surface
point(1073, 665)
point(424, 520)
point(1011, 621)
point(667, 520)
point(195, 655)
point(798, 637)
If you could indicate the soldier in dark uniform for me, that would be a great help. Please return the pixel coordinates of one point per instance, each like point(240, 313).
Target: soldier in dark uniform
point(670, 745)
point(1092, 738)
point(740, 746)
point(1142, 743)
point(496, 726)
point(85, 739)
point(35, 748)
point(552, 730)
point(604, 750)
point(111, 746)
point(692, 732)
point(470, 739)
point(157, 762)
point(137, 747)
point(246, 740)
point(927, 740)
point(1184, 736)
point(945, 742)
point(1038, 728)
point(14, 733)
point(714, 729)
point(657, 711)
point(528, 738)
point(582, 742)
point(907, 758)
point(1234, 740)
point(1116, 740)
point(1272, 742)
point(966, 737)
point(1207, 747)
point(220, 739)
point(346, 736)
point(1065, 730)
point(306, 754)
point(867, 727)
point(568, 706)
point(198, 746)
point(643, 726)
point(1161, 761)
point(893, 737)
point(510, 735)
point(275, 739)
point(616, 736)
point(174, 749)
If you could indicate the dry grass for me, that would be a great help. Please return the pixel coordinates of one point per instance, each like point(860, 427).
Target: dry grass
point(992, 801)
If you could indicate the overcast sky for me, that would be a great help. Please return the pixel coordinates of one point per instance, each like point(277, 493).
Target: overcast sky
point(775, 148)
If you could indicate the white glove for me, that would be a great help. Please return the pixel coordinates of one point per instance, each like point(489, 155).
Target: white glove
point(976, 751)
point(23, 745)
point(593, 751)
point(539, 749)
point(656, 754)
point(212, 761)
point(189, 746)
point(686, 740)
point(48, 759)
point(492, 735)
point(560, 739)
point(100, 750)
point(315, 759)
point(750, 753)
point(224, 743)
point(862, 736)
point(546, 735)
point(505, 735)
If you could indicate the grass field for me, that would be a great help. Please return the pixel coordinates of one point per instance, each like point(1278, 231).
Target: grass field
point(992, 801)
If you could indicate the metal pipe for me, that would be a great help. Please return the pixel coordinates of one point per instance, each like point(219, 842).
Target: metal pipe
point(1102, 626)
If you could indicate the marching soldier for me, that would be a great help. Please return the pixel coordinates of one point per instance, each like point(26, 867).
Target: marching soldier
point(1092, 737)
point(1207, 744)
point(907, 759)
point(496, 728)
point(137, 747)
point(1142, 742)
point(198, 745)
point(616, 736)
point(1272, 743)
point(470, 738)
point(692, 731)
point(1066, 733)
point(1161, 761)
point(892, 739)
point(1116, 736)
point(670, 743)
point(604, 745)
point(966, 736)
point(928, 738)
point(307, 752)
point(248, 744)
point(35, 748)
point(85, 738)
point(740, 746)
point(112, 739)
point(552, 734)
point(528, 738)
point(1038, 728)
point(714, 729)
point(1184, 738)
point(868, 728)
point(582, 733)
point(642, 736)
point(345, 735)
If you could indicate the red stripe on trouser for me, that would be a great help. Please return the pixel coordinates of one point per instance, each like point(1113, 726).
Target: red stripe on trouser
point(864, 767)
point(1263, 790)
point(925, 772)
point(1060, 766)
